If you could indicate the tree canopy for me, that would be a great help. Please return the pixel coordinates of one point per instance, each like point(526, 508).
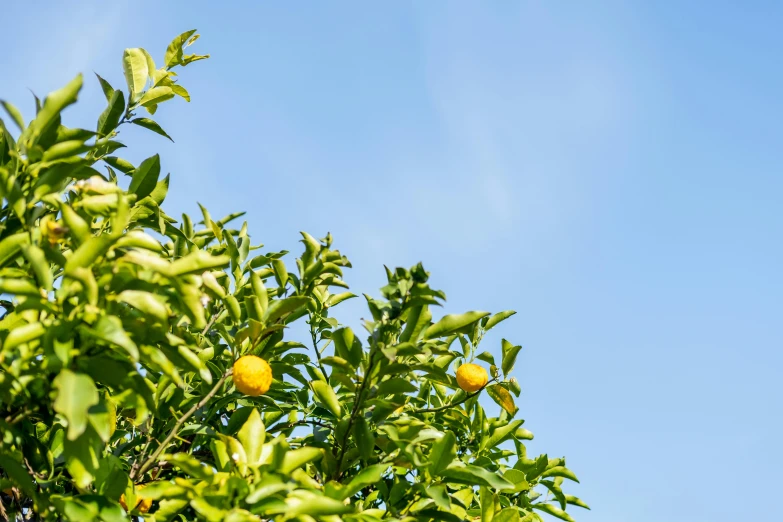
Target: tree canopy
point(122, 326)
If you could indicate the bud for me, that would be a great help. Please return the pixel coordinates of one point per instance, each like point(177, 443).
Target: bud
point(514, 386)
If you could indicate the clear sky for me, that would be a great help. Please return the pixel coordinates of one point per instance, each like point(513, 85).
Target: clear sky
point(611, 170)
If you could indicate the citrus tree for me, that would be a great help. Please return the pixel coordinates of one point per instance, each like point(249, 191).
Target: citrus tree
point(145, 369)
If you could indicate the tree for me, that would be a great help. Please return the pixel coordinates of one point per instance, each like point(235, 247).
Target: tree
point(121, 331)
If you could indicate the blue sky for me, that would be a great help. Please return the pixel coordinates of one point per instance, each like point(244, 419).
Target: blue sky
point(611, 170)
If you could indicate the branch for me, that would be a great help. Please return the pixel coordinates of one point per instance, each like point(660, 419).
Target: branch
point(283, 427)
point(173, 433)
point(451, 404)
point(354, 412)
point(210, 323)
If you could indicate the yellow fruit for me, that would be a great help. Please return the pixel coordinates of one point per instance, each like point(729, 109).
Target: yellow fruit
point(252, 375)
point(472, 377)
point(142, 504)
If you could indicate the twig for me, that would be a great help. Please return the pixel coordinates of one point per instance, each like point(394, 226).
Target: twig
point(283, 427)
point(356, 407)
point(173, 433)
point(451, 404)
point(317, 353)
point(13, 419)
point(209, 324)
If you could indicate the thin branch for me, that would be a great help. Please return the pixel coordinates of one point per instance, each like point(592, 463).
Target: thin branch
point(452, 404)
point(209, 324)
point(283, 427)
point(173, 433)
point(13, 419)
point(356, 407)
point(317, 352)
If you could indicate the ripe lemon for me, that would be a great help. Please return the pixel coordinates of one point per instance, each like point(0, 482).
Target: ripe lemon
point(252, 375)
point(142, 504)
point(471, 377)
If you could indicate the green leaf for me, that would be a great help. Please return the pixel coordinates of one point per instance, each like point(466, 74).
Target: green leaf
point(109, 329)
point(570, 499)
point(510, 514)
point(134, 65)
point(503, 398)
point(487, 501)
point(368, 476)
point(326, 396)
point(473, 475)
point(554, 511)
point(299, 457)
point(52, 106)
point(347, 346)
point(150, 62)
point(195, 362)
point(417, 320)
point(451, 323)
point(280, 270)
point(395, 385)
point(500, 434)
point(76, 394)
point(498, 317)
point(336, 299)
point(197, 262)
point(101, 418)
point(174, 51)
point(252, 435)
point(65, 149)
point(156, 95)
point(151, 125)
point(145, 177)
point(303, 502)
point(11, 245)
point(509, 356)
point(560, 471)
point(146, 303)
point(17, 474)
point(108, 90)
point(110, 117)
point(82, 458)
point(14, 113)
point(523, 434)
point(205, 508)
point(440, 495)
point(443, 453)
point(365, 440)
point(518, 478)
point(23, 334)
point(124, 166)
point(280, 307)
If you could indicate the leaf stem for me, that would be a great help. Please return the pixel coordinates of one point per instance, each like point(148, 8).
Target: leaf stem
point(174, 430)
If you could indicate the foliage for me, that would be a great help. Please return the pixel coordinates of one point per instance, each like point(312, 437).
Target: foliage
point(122, 325)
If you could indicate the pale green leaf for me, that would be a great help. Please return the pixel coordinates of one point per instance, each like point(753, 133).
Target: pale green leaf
point(326, 396)
point(76, 394)
point(252, 435)
point(451, 323)
point(134, 65)
point(443, 453)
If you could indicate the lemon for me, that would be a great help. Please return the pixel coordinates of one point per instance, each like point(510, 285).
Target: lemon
point(142, 504)
point(472, 377)
point(252, 375)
